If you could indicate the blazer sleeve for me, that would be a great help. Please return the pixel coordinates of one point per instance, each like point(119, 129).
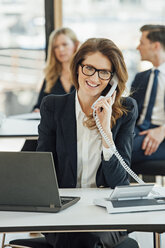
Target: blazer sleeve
point(111, 173)
point(134, 83)
point(47, 126)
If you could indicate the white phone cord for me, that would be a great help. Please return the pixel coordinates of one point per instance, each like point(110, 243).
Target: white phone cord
point(116, 153)
point(119, 157)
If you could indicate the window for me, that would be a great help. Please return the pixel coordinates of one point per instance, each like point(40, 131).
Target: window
point(22, 53)
point(118, 20)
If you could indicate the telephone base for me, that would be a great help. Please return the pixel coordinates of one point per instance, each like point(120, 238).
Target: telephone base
point(131, 206)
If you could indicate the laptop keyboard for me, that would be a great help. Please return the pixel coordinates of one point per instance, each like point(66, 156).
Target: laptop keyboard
point(65, 200)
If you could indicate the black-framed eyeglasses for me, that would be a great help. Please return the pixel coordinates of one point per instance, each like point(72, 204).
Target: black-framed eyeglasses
point(89, 70)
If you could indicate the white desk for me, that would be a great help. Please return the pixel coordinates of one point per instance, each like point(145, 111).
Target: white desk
point(19, 128)
point(11, 144)
point(83, 216)
point(14, 133)
point(27, 116)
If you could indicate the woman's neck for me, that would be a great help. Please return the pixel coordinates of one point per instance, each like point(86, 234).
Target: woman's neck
point(66, 77)
point(65, 70)
point(86, 103)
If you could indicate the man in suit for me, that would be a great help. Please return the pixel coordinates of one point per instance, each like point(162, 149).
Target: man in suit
point(148, 89)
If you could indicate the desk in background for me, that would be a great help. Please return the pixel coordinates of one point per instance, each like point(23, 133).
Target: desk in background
point(19, 128)
point(14, 133)
point(27, 116)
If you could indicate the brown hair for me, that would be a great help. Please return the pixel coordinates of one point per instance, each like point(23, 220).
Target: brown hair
point(112, 52)
point(53, 67)
point(155, 33)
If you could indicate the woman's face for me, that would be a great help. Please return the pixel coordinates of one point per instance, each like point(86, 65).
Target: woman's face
point(64, 48)
point(94, 85)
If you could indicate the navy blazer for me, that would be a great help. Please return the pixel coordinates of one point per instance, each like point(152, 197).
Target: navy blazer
point(57, 89)
point(139, 88)
point(58, 134)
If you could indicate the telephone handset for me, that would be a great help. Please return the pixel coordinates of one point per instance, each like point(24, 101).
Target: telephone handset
point(112, 85)
point(114, 82)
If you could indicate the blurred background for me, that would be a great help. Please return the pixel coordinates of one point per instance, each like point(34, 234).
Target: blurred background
point(25, 26)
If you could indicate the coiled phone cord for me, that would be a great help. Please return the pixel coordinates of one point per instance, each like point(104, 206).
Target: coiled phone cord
point(119, 157)
point(116, 153)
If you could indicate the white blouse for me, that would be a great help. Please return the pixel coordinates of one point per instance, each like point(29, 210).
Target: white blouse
point(89, 149)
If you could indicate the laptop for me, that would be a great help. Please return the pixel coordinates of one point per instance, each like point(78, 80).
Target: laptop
point(28, 182)
point(132, 198)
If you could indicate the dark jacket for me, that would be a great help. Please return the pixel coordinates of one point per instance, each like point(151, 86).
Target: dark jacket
point(57, 134)
point(139, 88)
point(57, 89)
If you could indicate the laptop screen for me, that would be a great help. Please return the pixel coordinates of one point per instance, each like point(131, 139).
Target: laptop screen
point(28, 179)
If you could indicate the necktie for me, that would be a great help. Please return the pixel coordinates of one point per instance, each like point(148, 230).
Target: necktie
point(147, 121)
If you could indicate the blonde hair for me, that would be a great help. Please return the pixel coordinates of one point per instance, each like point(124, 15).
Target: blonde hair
point(112, 52)
point(53, 67)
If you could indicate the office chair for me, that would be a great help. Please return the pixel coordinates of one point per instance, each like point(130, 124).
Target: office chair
point(29, 145)
point(41, 243)
point(28, 243)
point(129, 242)
point(152, 167)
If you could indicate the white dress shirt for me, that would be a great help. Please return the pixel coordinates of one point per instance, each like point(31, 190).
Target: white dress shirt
point(89, 149)
point(158, 113)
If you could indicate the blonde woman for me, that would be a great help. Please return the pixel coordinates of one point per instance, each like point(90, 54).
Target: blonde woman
point(63, 44)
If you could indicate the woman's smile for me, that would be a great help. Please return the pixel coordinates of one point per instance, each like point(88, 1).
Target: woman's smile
point(91, 84)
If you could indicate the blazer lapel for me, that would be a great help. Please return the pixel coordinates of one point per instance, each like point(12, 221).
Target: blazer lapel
point(142, 89)
point(69, 128)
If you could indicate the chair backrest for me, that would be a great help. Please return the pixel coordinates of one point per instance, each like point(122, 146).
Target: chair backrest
point(41, 243)
point(128, 243)
point(153, 167)
point(31, 242)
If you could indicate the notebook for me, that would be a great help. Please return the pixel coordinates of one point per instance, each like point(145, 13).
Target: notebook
point(28, 183)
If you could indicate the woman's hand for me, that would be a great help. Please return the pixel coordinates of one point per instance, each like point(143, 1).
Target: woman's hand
point(104, 112)
point(36, 110)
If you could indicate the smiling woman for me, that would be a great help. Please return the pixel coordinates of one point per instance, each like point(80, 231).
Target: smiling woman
point(82, 158)
point(90, 82)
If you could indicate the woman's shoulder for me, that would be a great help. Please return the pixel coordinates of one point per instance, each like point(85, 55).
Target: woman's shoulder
point(56, 102)
point(129, 102)
point(131, 106)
